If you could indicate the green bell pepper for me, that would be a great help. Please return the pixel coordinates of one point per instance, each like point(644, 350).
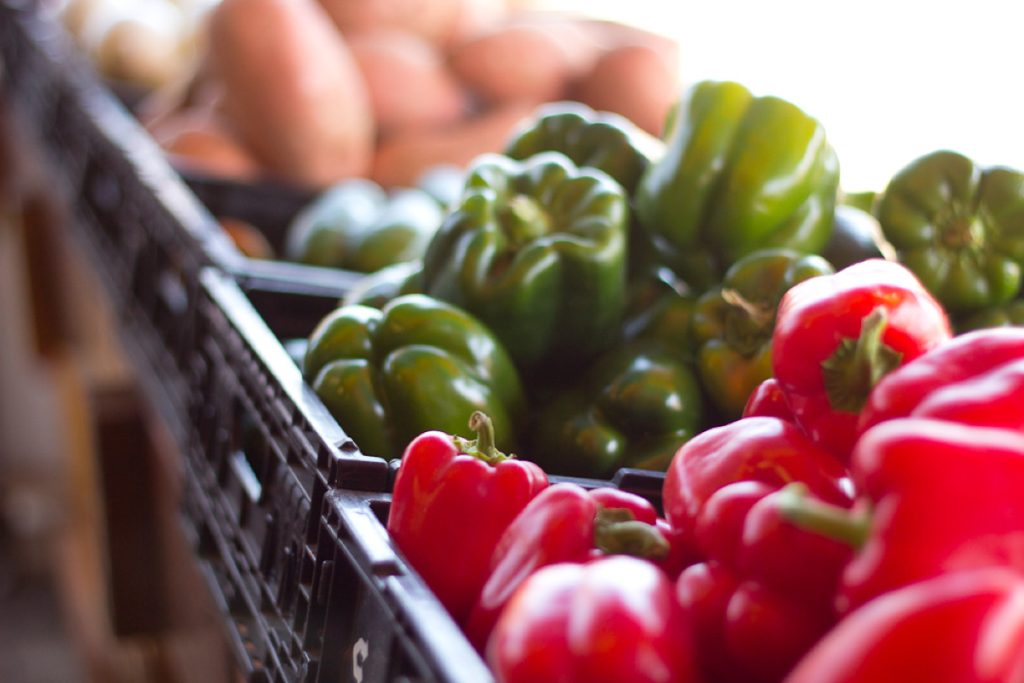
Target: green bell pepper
point(418, 364)
point(323, 232)
point(740, 173)
point(1007, 315)
point(443, 182)
point(634, 408)
point(733, 323)
point(959, 228)
point(602, 140)
point(357, 226)
point(535, 249)
point(863, 200)
point(378, 288)
point(856, 236)
point(660, 307)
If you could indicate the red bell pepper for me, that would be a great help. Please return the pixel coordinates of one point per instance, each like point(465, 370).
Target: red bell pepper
point(564, 523)
point(975, 378)
point(964, 627)
point(607, 621)
point(452, 500)
point(764, 596)
point(762, 449)
point(767, 400)
point(837, 335)
point(944, 497)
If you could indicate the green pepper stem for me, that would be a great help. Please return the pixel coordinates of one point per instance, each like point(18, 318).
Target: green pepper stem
point(849, 526)
point(759, 314)
point(524, 220)
point(858, 364)
point(483, 446)
point(617, 532)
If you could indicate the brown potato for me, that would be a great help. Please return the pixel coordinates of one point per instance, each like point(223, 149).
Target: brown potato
point(193, 139)
point(612, 34)
point(434, 20)
point(475, 17)
point(531, 60)
point(635, 81)
point(409, 84)
point(401, 160)
point(247, 238)
point(292, 90)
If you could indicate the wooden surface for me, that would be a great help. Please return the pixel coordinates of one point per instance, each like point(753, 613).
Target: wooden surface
point(76, 434)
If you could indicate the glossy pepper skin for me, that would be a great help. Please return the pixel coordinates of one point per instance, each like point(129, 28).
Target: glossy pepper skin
point(975, 378)
point(611, 620)
point(659, 307)
point(943, 497)
point(732, 323)
point(856, 236)
point(453, 498)
point(633, 408)
point(740, 173)
point(746, 633)
point(760, 449)
point(358, 226)
point(963, 627)
point(416, 365)
point(836, 336)
point(767, 400)
point(564, 523)
point(601, 140)
point(959, 227)
point(764, 591)
point(537, 250)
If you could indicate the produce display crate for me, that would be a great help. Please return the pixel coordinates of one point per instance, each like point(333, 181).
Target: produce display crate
point(263, 454)
point(281, 500)
point(379, 621)
point(283, 509)
point(146, 233)
point(269, 207)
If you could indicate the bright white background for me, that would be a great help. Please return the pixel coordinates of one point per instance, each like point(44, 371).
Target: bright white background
point(890, 80)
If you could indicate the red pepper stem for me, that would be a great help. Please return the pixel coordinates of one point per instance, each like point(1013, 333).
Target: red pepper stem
point(617, 532)
point(483, 446)
point(857, 364)
point(849, 526)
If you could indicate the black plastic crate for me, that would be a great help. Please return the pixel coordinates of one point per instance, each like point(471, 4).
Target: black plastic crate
point(379, 621)
point(292, 307)
point(268, 206)
point(264, 452)
point(265, 461)
point(261, 644)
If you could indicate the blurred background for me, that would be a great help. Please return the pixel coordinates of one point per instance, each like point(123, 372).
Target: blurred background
point(890, 79)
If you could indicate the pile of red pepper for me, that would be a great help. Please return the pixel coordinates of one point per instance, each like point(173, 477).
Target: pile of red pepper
point(863, 521)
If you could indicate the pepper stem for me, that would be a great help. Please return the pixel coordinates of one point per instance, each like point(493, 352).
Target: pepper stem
point(617, 532)
point(483, 446)
point(524, 220)
point(759, 314)
point(858, 364)
point(846, 526)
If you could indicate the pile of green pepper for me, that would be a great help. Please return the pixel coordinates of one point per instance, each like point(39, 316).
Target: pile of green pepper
point(605, 295)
